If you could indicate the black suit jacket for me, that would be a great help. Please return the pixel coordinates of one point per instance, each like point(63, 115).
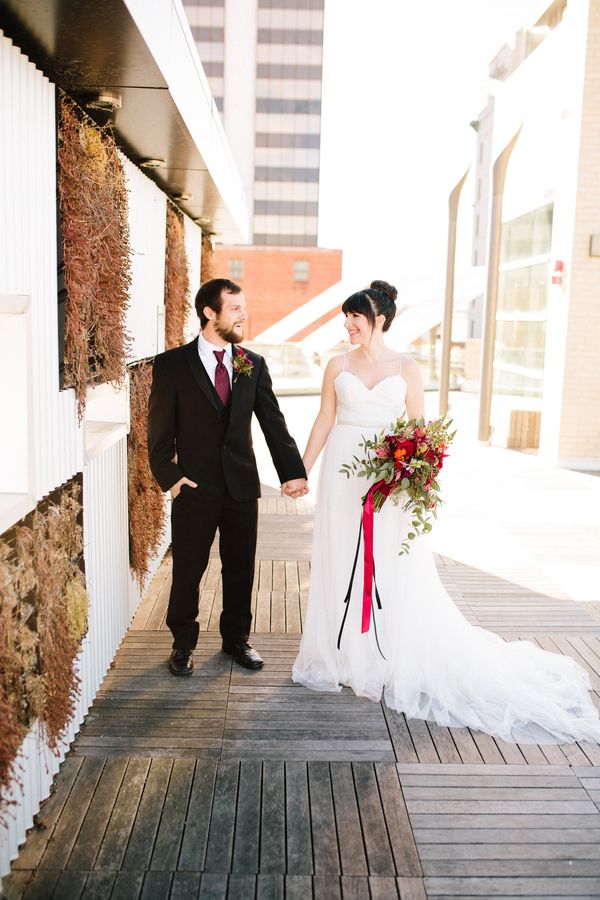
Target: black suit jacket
point(212, 444)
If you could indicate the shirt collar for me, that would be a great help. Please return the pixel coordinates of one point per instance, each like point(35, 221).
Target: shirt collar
point(207, 348)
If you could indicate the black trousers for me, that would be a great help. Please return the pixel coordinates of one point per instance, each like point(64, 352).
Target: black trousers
point(194, 522)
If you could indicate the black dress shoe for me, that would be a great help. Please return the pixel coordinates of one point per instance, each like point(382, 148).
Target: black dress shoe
point(181, 662)
point(244, 655)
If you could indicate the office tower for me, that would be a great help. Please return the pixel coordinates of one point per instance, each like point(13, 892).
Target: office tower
point(263, 60)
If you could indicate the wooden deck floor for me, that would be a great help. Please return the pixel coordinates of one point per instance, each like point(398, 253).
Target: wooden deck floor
point(236, 784)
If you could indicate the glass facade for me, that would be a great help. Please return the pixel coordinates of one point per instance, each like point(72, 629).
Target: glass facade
point(522, 302)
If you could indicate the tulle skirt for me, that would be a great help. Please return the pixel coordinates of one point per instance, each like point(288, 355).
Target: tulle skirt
point(433, 664)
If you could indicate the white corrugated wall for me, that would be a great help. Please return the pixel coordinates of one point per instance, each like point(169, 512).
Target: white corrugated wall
point(28, 267)
point(28, 257)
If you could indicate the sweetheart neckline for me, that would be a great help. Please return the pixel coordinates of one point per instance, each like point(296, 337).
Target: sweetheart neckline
point(360, 381)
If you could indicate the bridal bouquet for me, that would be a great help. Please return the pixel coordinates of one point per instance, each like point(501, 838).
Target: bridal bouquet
point(405, 463)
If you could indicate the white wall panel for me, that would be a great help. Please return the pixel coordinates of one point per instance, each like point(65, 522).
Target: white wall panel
point(147, 233)
point(193, 249)
point(113, 600)
point(28, 261)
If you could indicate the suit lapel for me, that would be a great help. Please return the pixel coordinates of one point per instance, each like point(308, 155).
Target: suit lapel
point(237, 388)
point(201, 376)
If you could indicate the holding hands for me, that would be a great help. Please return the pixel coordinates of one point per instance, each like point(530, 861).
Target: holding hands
point(296, 488)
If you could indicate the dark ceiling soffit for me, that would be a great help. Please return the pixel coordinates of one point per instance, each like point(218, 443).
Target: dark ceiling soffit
point(82, 45)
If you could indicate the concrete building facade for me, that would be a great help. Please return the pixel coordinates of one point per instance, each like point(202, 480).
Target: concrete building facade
point(547, 322)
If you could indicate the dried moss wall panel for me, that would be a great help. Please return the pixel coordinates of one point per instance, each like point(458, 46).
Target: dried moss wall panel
point(43, 617)
point(146, 503)
point(95, 235)
point(177, 281)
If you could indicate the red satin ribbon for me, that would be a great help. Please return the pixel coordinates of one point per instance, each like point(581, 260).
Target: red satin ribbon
point(367, 522)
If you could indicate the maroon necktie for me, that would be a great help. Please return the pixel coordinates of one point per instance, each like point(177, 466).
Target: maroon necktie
point(222, 385)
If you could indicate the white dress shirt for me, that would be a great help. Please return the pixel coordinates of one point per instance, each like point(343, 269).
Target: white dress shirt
point(209, 360)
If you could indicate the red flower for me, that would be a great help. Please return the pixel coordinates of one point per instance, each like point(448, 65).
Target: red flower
point(404, 452)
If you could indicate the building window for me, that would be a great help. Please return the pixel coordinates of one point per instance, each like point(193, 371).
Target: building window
point(236, 268)
point(301, 269)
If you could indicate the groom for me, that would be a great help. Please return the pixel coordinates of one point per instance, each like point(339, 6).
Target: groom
point(200, 448)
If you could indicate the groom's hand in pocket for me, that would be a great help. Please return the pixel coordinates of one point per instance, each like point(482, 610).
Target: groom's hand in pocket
point(178, 484)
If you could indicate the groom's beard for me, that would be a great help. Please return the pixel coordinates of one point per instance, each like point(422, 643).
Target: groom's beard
point(231, 335)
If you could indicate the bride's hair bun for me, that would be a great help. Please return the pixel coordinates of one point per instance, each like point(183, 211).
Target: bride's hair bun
point(388, 289)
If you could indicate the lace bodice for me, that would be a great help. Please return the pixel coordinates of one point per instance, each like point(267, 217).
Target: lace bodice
point(375, 407)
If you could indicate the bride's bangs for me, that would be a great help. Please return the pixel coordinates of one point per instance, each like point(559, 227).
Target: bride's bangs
point(359, 303)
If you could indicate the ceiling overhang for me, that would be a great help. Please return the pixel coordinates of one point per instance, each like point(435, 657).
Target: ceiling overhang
point(143, 49)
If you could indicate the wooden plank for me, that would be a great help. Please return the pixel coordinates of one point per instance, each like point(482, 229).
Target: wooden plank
point(213, 886)
point(293, 618)
point(42, 885)
point(325, 848)
point(355, 888)
point(195, 837)
point(383, 888)
point(400, 735)
point(69, 886)
point(270, 887)
point(352, 851)
point(558, 851)
point(168, 838)
point(127, 886)
point(278, 576)
point(444, 744)
point(114, 844)
point(402, 841)
point(277, 612)
point(262, 622)
point(185, 885)
point(247, 822)
point(98, 885)
point(502, 835)
point(48, 816)
point(297, 817)
point(72, 816)
point(298, 887)
point(272, 830)
point(518, 887)
point(530, 868)
point(326, 887)
point(411, 888)
point(379, 854)
point(241, 887)
point(265, 580)
point(141, 842)
point(157, 885)
point(222, 823)
point(421, 739)
point(466, 745)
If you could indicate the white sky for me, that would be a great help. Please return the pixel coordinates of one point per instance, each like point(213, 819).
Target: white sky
point(402, 80)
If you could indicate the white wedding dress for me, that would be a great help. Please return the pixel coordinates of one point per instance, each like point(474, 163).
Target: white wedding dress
point(437, 666)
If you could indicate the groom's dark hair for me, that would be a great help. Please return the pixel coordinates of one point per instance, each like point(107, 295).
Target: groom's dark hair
point(210, 294)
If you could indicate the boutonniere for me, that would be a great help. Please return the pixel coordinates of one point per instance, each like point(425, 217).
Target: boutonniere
point(241, 364)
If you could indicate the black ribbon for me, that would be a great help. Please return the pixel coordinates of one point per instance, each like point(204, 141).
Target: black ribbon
point(349, 591)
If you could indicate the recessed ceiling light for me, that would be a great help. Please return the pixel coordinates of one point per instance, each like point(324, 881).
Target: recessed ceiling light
point(203, 220)
point(152, 163)
point(105, 100)
point(182, 196)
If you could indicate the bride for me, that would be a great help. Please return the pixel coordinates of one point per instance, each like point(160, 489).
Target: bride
point(423, 655)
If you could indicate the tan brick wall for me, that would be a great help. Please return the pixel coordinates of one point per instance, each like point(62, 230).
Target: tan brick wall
point(268, 281)
point(580, 418)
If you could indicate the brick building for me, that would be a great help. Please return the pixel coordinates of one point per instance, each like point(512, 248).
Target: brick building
point(277, 280)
